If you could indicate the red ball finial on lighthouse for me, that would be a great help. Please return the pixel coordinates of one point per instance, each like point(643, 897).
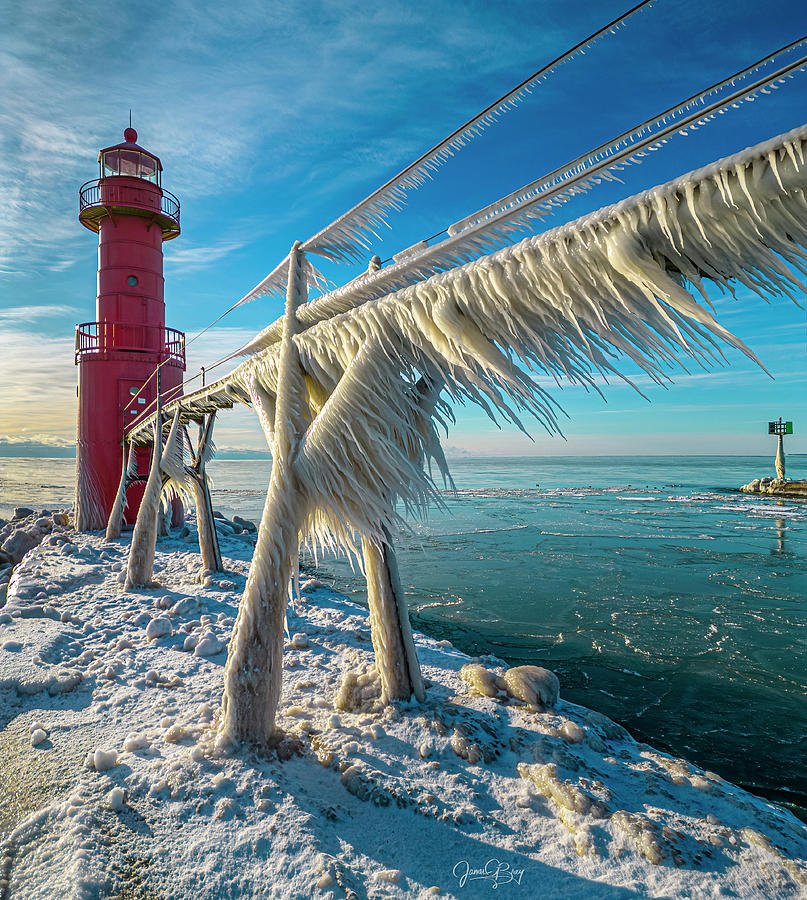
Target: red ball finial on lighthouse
point(130, 136)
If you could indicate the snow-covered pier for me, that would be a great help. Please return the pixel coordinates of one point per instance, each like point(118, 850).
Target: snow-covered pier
point(113, 779)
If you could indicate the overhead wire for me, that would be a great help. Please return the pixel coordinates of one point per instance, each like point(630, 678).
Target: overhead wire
point(168, 358)
point(475, 124)
point(495, 225)
point(619, 151)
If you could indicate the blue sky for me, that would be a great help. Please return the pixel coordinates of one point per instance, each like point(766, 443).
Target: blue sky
point(273, 118)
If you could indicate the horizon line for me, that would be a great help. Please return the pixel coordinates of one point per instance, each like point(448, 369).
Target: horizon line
point(470, 456)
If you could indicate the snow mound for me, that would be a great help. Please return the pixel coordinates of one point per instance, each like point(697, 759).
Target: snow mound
point(536, 686)
point(359, 692)
point(104, 759)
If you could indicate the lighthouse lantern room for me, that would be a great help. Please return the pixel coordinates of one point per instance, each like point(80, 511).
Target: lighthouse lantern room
point(119, 352)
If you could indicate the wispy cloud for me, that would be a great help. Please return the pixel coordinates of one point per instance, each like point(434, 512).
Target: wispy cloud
point(206, 349)
point(670, 409)
point(21, 315)
point(61, 265)
point(679, 378)
point(251, 97)
point(38, 383)
point(191, 259)
point(45, 439)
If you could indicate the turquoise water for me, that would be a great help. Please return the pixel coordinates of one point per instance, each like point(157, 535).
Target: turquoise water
point(659, 594)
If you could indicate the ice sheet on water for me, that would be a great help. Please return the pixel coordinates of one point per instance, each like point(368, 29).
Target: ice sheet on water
point(765, 510)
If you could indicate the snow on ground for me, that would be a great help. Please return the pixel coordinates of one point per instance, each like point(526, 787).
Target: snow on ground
point(111, 784)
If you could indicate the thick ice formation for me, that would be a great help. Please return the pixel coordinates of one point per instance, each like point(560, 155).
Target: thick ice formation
point(172, 462)
point(562, 303)
point(104, 759)
point(167, 478)
point(351, 405)
point(481, 680)
point(396, 659)
point(115, 522)
point(252, 677)
point(537, 687)
point(487, 237)
point(200, 488)
point(768, 485)
point(140, 568)
point(89, 508)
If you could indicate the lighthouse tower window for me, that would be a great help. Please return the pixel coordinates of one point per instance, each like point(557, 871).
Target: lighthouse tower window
point(132, 280)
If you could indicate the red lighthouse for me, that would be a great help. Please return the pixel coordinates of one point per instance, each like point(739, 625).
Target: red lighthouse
point(117, 353)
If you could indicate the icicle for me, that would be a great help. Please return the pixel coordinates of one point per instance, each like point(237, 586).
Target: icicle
point(116, 515)
point(771, 157)
point(89, 512)
point(740, 170)
point(140, 568)
point(689, 194)
point(172, 461)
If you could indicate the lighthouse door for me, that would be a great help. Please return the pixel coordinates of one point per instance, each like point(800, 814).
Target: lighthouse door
point(136, 403)
point(127, 389)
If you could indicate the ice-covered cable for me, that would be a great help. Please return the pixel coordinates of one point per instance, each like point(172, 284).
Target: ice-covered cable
point(497, 224)
point(567, 304)
point(346, 237)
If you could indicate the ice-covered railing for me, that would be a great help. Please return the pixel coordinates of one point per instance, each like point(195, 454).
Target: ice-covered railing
point(567, 303)
point(346, 238)
point(494, 226)
point(194, 407)
point(729, 221)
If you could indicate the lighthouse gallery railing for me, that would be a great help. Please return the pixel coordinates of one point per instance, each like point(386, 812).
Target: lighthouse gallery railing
point(105, 337)
point(89, 195)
